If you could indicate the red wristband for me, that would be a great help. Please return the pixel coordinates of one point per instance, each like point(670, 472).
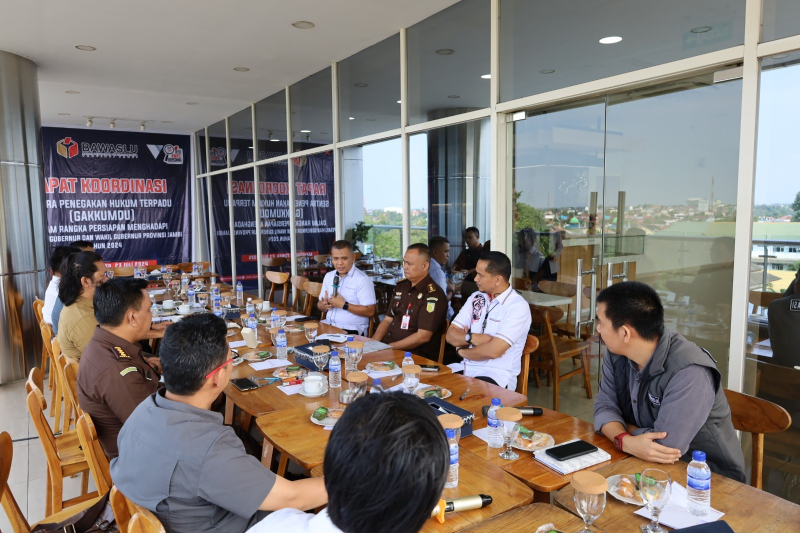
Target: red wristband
point(618, 439)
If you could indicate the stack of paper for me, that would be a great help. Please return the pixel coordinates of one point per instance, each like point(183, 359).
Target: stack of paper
point(396, 372)
point(571, 465)
point(333, 337)
point(375, 346)
point(676, 514)
point(269, 363)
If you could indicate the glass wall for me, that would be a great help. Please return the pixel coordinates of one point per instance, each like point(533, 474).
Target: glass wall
point(369, 90)
point(372, 193)
point(781, 19)
point(271, 126)
point(550, 45)
point(220, 221)
point(771, 368)
point(450, 183)
point(448, 62)
point(274, 209)
point(312, 111)
point(200, 138)
point(218, 151)
point(314, 209)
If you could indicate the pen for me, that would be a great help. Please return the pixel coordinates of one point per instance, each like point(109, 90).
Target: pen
point(464, 395)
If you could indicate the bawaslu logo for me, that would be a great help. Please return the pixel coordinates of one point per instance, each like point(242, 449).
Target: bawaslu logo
point(126, 151)
point(217, 156)
point(67, 147)
point(173, 154)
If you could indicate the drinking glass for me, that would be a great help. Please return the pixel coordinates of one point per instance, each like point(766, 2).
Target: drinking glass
point(320, 358)
point(355, 351)
point(509, 432)
point(226, 300)
point(655, 488)
point(169, 270)
point(411, 378)
point(203, 299)
point(589, 507)
point(311, 332)
point(273, 332)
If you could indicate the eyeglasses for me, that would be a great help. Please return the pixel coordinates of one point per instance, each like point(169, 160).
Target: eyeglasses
point(220, 367)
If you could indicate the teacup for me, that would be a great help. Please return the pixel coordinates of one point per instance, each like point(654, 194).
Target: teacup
point(168, 304)
point(314, 384)
point(184, 309)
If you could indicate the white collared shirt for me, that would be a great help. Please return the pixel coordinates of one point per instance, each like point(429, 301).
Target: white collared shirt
point(296, 522)
point(509, 318)
point(50, 297)
point(356, 289)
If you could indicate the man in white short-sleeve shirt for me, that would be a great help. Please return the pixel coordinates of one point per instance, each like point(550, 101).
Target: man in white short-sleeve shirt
point(490, 331)
point(354, 300)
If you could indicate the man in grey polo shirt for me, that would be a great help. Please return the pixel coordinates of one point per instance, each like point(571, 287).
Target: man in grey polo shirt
point(178, 460)
point(660, 396)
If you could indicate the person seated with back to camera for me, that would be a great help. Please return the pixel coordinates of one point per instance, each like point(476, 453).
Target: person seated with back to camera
point(385, 468)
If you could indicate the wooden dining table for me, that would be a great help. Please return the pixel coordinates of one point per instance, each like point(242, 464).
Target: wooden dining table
point(527, 519)
point(746, 508)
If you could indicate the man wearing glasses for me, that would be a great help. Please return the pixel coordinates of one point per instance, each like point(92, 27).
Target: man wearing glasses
point(177, 459)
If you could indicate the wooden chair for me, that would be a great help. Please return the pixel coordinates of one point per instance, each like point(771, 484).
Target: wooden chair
point(298, 286)
point(567, 290)
point(69, 394)
point(357, 256)
point(442, 342)
point(553, 350)
point(69, 369)
point(277, 279)
point(313, 290)
point(47, 347)
point(37, 309)
point(761, 299)
point(322, 258)
point(95, 456)
point(15, 517)
point(521, 284)
point(145, 522)
point(120, 272)
point(121, 506)
point(187, 267)
point(757, 417)
point(531, 345)
point(273, 263)
point(63, 454)
point(38, 306)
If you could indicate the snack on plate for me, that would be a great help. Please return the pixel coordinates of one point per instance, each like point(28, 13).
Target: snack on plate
point(289, 372)
point(320, 414)
point(383, 366)
point(529, 439)
point(627, 488)
point(433, 392)
point(335, 413)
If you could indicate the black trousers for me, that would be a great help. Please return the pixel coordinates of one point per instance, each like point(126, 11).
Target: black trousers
point(482, 378)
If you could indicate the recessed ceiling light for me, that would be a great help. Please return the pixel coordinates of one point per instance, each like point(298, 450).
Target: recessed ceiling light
point(305, 131)
point(445, 52)
point(546, 71)
point(72, 92)
point(399, 101)
point(166, 122)
point(361, 85)
point(275, 140)
point(192, 103)
point(701, 29)
point(454, 96)
point(303, 25)
point(86, 48)
point(610, 40)
point(64, 114)
point(250, 147)
point(779, 56)
point(352, 118)
point(241, 69)
point(486, 76)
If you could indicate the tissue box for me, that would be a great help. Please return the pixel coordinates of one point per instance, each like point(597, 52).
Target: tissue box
point(441, 407)
point(302, 355)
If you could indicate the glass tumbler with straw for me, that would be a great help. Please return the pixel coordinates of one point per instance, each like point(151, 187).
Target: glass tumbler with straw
point(320, 356)
point(590, 497)
point(509, 418)
point(311, 329)
point(655, 489)
point(411, 377)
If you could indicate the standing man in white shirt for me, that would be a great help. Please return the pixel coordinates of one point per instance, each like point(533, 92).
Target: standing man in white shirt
point(348, 295)
point(490, 331)
point(51, 294)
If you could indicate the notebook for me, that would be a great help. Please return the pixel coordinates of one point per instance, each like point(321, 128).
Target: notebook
point(571, 465)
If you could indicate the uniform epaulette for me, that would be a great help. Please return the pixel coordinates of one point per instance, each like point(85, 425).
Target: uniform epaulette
point(122, 354)
point(431, 288)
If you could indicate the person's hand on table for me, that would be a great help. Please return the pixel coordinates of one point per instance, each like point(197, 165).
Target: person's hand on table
point(644, 447)
point(156, 331)
point(336, 301)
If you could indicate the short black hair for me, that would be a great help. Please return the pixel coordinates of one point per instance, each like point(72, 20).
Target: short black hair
point(421, 249)
point(434, 243)
point(190, 350)
point(386, 448)
point(58, 255)
point(342, 244)
point(472, 229)
point(75, 267)
point(81, 244)
point(497, 264)
point(115, 297)
point(634, 304)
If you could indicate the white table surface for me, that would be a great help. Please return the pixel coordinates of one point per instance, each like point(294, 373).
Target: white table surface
point(546, 300)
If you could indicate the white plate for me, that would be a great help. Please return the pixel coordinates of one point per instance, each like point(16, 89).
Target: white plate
point(303, 392)
point(612, 489)
point(549, 442)
point(421, 391)
point(327, 421)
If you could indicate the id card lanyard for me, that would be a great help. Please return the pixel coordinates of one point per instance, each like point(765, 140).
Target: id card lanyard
point(488, 311)
point(406, 318)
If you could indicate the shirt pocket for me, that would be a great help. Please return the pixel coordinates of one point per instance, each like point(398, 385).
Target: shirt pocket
point(492, 326)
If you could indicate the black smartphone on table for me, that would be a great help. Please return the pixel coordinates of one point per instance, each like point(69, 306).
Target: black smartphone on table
point(429, 368)
point(571, 450)
point(304, 319)
point(244, 384)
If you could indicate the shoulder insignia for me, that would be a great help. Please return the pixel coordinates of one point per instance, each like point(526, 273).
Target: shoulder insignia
point(419, 296)
point(128, 370)
point(431, 307)
point(122, 354)
point(433, 299)
point(431, 288)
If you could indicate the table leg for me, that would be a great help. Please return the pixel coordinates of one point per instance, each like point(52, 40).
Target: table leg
point(268, 455)
point(541, 497)
point(229, 405)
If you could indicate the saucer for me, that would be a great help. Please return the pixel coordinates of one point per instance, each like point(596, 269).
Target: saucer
point(323, 392)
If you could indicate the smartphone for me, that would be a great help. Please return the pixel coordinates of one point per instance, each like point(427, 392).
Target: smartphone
point(429, 368)
point(244, 384)
point(571, 450)
point(304, 319)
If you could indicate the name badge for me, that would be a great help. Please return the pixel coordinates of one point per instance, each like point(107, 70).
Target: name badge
point(405, 322)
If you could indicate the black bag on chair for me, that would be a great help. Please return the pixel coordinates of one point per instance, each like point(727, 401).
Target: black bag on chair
point(99, 517)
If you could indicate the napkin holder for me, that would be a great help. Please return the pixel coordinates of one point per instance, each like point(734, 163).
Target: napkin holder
point(441, 407)
point(302, 355)
point(250, 338)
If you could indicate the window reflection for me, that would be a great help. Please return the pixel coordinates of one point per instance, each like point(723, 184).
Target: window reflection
point(781, 19)
point(271, 124)
point(312, 111)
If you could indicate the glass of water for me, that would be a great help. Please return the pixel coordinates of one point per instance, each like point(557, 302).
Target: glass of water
point(411, 377)
point(203, 299)
point(655, 489)
point(311, 329)
point(226, 300)
point(590, 497)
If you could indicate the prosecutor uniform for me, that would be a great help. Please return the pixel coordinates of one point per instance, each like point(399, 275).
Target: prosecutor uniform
point(113, 380)
point(417, 307)
point(357, 289)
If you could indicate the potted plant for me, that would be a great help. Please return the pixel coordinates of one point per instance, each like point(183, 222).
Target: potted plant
point(359, 234)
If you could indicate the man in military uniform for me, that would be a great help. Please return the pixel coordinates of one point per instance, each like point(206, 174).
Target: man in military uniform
point(114, 376)
point(418, 309)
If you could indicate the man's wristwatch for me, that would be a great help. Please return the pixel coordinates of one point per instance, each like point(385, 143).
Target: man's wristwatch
point(618, 439)
point(346, 305)
point(468, 337)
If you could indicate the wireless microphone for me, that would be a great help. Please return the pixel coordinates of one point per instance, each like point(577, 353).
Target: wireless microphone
point(335, 286)
point(526, 411)
point(477, 501)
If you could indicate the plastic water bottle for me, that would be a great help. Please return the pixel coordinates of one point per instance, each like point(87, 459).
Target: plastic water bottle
point(239, 294)
point(376, 386)
point(698, 484)
point(407, 359)
point(335, 370)
point(250, 309)
point(495, 439)
point(452, 470)
point(216, 303)
point(136, 272)
point(274, 320)
point(216, 291)
point(280, 342)
point(194, 267)
point(252, 322)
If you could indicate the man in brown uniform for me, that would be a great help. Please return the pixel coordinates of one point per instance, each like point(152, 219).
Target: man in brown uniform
point(114, 377)
point(418, 309)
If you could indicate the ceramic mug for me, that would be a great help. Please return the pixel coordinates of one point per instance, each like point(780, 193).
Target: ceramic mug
point(184, 308)
point(168, 304)
point(314, 384)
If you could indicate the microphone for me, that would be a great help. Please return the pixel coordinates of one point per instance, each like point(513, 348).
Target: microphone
point(526, 411)
point(477, 501)
point(335, 286)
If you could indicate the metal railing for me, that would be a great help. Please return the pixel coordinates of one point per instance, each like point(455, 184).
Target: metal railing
point(386, 241)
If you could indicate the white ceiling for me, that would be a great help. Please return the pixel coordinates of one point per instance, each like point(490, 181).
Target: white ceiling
point(153, 56)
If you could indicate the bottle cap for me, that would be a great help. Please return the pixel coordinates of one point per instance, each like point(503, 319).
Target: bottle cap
point(450, 433)
point(280, 331)
point(252, 315)
point(335, 353)
point(496, 401)
point(349, 338)
point(408, 354)
point(697, 455)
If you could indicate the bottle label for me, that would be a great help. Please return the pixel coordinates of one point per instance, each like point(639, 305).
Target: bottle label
point(454, 454)
point(335, 365)
point(493, 421)
point(698, 484)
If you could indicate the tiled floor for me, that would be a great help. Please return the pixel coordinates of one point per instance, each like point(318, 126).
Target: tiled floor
point(572, 395)
point(28, 467)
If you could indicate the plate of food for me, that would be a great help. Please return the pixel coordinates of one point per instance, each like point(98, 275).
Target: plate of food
point(326, 417)
point(531, 441)
point(256, 356)
point(290, 372)
point(433, 390)
point(623, 488)
point(381, 366)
